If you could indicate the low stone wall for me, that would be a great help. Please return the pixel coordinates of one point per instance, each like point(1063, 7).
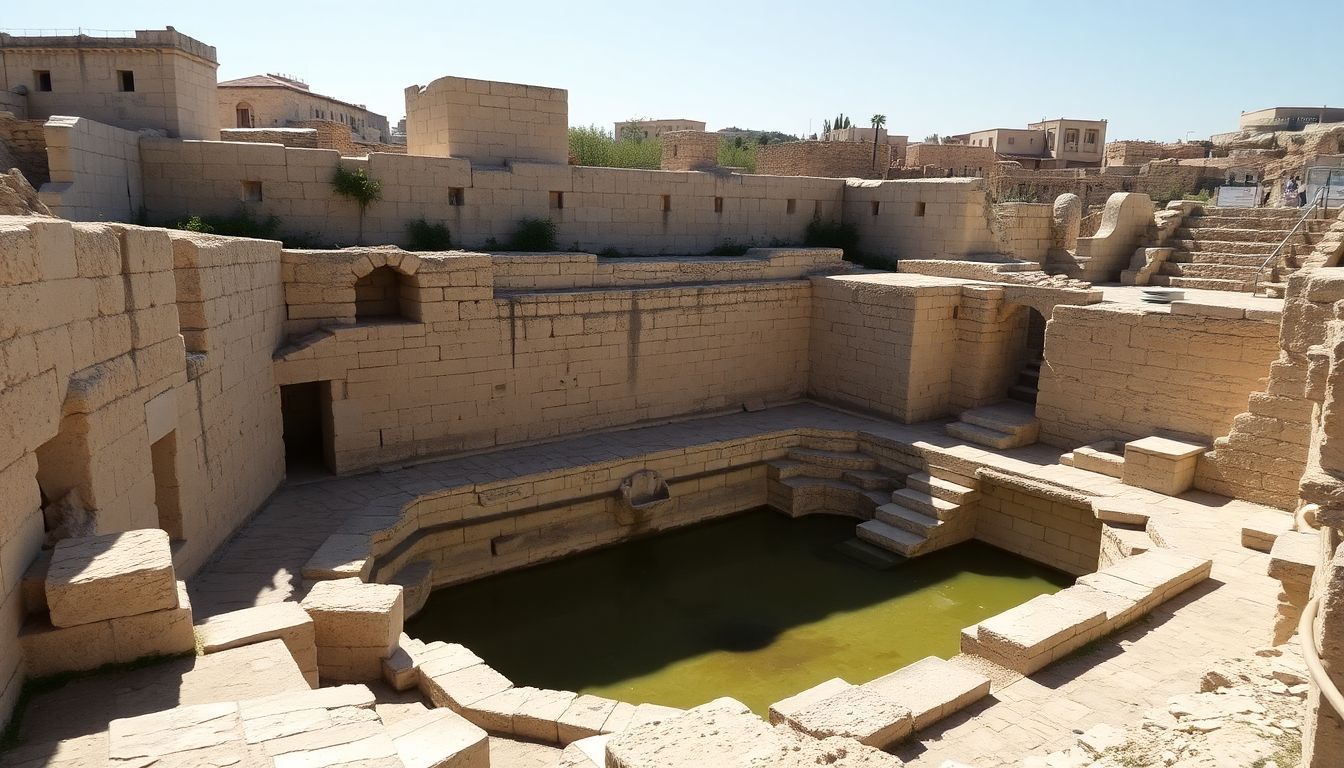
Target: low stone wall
point(1140, 152)
point(1026, 229)
point(836, 159)
point(289, 137)
point(337, 136)
point(95, 171)
point(689, 151)
point(960, 159)
point(922, 219)
point(23, 145)
point(1127, 371)
point(1038, 523)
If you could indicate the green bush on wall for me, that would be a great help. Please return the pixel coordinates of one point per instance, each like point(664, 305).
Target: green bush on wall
point(421, 235)
point(534, 235)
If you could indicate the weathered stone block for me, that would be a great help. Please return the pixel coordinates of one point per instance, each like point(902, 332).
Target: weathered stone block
point(931, 689)
point(105, 577)
point(439, 738)
point(286, 621)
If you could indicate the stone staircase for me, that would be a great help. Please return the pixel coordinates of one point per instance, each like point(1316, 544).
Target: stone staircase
point(826, 476)
point(932, 511)
point(1010, 424)
point(1225, 248)
point(1025, 389)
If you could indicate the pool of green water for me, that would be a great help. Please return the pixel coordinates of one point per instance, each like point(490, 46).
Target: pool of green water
point(757, 606)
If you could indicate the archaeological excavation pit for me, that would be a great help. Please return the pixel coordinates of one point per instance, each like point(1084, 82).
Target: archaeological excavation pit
point(756, 606)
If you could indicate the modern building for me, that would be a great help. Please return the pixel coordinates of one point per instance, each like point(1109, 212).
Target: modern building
point(271, 100)
point(1058, 143)
point(158, 79)
point(1289, 118)
point(652, 129)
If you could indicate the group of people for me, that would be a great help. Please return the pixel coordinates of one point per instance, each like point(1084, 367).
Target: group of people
point(1294, 192)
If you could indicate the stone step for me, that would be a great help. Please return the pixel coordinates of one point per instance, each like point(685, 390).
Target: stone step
point(835, 459)
point(931, 689)
point(870, 480)
point(1292, 214)
point(943, 489)
point(925, 503)
point(1215, 271)
point(841, 444)
point(439, 737)
point(784, 469)
point(891, 538)
point(1275, 290)
point(1010, 418)
point(814, 494)
point(1029, 375)
point(1266, 235)
point(1213, 257)
point(990, 438)
point(953, 476)
point(1023, 393)
point(907, 519)
point(1221, 246)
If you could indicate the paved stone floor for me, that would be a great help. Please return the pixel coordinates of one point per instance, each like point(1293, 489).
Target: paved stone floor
point(1113, 682)
point(1133, 294)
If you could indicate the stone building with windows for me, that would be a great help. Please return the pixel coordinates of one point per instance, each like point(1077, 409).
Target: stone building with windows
point(1061, 143)
point(271, 101)
point(157, 79)
point(652, 129)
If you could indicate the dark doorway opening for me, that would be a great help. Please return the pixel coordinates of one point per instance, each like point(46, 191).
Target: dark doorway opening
point(306, 412)
point(167, 494)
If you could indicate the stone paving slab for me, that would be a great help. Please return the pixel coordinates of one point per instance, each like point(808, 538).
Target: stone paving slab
point(108, 577)
point(931, 689)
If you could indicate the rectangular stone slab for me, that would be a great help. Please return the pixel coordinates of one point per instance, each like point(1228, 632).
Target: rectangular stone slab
point(537, 718)
point(931, 689)
point(781, 710)
point(439, 738)
point(108, 577)
point(354, 614)
point(584, 718)
point(857, 713)
point(495, 712)
point(463, 687)
point(1023, 638)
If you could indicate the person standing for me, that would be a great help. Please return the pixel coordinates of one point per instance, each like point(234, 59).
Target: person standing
point(1290, 192)
point(1301, 192)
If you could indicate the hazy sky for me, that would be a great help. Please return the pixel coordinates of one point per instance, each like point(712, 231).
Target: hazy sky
point(1153, 69)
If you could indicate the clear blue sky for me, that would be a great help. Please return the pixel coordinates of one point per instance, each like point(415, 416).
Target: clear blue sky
point(1154, 69)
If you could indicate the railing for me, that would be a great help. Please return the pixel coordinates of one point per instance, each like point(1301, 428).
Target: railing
point(1306, 635)
point(68, 32)
point(1272, 258)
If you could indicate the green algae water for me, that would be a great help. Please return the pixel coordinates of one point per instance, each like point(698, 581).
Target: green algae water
point(757, 606)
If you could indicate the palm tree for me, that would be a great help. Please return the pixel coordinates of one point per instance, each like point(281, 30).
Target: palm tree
point(878, 121)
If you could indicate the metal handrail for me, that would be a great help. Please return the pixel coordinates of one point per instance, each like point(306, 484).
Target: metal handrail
point(1273, 257)
point(1306, 635)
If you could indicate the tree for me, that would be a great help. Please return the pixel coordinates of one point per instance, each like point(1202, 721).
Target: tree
point(356, 185)
point(932, 138)
point(878, 121)
point(825, 127)
point(631, 130)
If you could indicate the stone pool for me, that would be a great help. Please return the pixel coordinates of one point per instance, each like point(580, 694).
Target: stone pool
point(758, 606)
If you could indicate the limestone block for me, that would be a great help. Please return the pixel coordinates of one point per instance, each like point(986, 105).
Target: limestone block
point(857, 713)
point(584, 718)
point(589, 752)
point(931, 689)
point(1293, 557)
point(1121, 510)
point(788, 707)
point(1031, 635)
point(439, 738)
point(1163, 572)
point(495, 713)
point(148, 739)
point(49, 649)
point(286, 621)
point(537, 718)
point(1161, 464)
point(355, 625)
point(341, 556)
point(646, 714)
point(462, 687)
point(1263, 529)
point(619, 719)
point(110, 576)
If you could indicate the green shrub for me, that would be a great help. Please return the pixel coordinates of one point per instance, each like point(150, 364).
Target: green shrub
point(421, 235)
point(833, 234)
point(534, 235)
point(729, 248)
point(243, 223)
point(595, 147)
point(357, 185)
point(736, 153)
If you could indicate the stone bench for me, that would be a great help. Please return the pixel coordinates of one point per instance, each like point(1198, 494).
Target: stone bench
point(356, 626)
point(931, 688)
point(1161, 464)
point(285, 621)
point(1030, 636)
point(1165, 573)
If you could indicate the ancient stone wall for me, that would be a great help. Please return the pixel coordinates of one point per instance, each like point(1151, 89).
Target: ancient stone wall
point(463, 365)
point(1125, 371)
point(487, 122)
point(960, 159)
point(1026, 229)
point(1092, 185)
point(23, 145)
point(304, 138)
point(1140, 152)
point(278, 107)
point(922, 219)
point(95, 171)
point(1048, 528)
point(834, 159)
point(337, 136)
point(689, 151)
point(101, 399)
point(884, 346)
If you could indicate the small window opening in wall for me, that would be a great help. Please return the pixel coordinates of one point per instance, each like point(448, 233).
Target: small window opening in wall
point(557, 200)
point(378, 294)
point(251, 192)
point(126, 80)
point(718, 205)
point(791, 205)
point(667, 203)
point(674, 150)
point(456, 196)
point(876, 206)
point(919, 209)
point(42, 80)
